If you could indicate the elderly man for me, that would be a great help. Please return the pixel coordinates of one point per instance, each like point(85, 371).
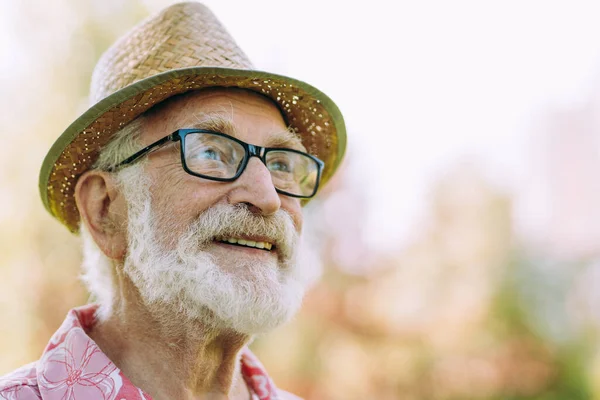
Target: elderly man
point(186, 180)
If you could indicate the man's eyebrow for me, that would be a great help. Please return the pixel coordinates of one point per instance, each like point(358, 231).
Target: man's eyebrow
point(214, 122)
point(218, 123)
point(288, 139)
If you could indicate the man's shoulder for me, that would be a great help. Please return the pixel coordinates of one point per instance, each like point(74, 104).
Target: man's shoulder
point(20, 384)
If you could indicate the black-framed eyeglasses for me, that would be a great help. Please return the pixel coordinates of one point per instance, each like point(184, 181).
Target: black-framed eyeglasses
point(220, 157)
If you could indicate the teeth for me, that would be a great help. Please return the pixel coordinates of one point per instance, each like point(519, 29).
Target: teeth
point(249, 243)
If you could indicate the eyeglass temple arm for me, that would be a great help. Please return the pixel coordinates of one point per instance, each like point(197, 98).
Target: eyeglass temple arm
point(145, 150)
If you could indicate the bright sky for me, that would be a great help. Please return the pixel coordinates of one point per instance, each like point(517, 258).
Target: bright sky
point(424, 83)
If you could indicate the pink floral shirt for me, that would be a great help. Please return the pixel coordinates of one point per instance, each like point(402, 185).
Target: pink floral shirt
point(73, 367)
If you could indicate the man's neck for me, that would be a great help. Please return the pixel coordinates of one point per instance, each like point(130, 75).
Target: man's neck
point(167, 355)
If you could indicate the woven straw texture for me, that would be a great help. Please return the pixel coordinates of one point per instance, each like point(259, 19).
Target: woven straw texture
point(181, 49)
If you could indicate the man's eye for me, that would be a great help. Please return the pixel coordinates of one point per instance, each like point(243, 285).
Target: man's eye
point(209, 154)
point(280, 166)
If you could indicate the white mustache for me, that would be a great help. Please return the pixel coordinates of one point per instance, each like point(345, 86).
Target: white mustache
point(227, 220)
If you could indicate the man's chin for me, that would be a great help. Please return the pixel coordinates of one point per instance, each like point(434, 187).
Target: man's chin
point(249, 311)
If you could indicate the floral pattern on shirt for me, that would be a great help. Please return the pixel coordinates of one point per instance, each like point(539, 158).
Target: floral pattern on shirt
point(78, 369)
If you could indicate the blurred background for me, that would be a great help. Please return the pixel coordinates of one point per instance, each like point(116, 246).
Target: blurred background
point(461, 238)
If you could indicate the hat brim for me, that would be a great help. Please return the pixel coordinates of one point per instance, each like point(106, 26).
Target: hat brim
point(309, 111)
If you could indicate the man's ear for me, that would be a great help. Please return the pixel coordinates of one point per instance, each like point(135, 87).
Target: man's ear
point(103, 210)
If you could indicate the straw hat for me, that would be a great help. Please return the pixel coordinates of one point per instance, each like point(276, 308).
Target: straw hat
point(182, 48)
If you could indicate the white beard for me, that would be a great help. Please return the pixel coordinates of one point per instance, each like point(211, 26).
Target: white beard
point(187, 280)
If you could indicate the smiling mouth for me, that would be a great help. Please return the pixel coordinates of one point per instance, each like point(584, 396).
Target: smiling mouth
point(266, 246)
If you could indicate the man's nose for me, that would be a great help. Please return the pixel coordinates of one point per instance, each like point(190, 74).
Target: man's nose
point(255, 188)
